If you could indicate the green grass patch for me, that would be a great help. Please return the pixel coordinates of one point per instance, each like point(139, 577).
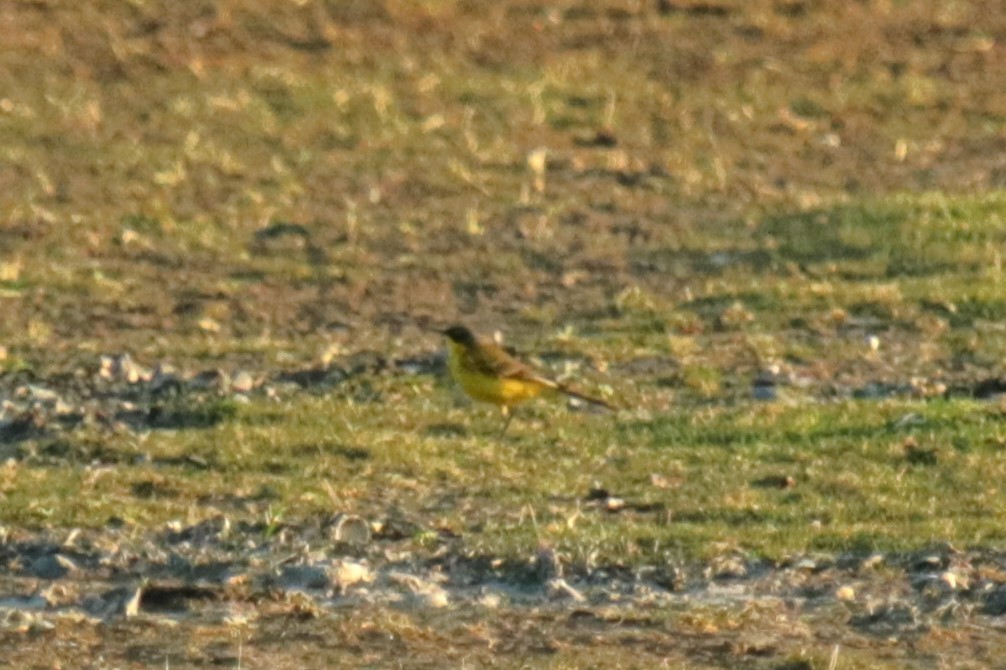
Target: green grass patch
point(768, 479)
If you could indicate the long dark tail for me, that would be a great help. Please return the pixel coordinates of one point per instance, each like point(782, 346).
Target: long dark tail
point(584, 397)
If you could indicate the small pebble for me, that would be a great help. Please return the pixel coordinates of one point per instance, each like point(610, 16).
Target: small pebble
point(614, 504)
point(242, 382)
point(491, 601)
point(52, 566)
point(346, 573)
point(351, 529)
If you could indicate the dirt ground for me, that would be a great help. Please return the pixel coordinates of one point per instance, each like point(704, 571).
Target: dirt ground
point(202, 199)
point(217, 178)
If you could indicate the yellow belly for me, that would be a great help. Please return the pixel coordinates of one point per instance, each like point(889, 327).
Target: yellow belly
point(496, 390)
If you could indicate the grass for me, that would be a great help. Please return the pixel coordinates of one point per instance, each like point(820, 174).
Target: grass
point(696, 480)
point(670, 199)
point(203, 144)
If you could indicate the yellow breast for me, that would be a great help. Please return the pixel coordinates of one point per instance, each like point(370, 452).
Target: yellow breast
point(486, 388)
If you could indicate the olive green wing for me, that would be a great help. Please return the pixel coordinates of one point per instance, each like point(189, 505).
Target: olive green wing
point(490, 359)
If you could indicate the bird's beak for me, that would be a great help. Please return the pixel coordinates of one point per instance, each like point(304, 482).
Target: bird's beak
point(434, 329)
point(423, 323)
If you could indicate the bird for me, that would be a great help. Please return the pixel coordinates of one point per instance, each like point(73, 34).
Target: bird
point(487, 373)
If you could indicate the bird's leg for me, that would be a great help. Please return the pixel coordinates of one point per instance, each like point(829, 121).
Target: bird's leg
point(508, 415)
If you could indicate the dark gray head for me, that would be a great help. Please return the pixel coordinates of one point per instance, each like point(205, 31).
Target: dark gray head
point(460, 334)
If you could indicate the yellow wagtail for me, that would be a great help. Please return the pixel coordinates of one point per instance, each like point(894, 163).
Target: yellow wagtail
point(489, 374)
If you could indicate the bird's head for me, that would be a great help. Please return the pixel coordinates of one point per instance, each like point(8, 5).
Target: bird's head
point(460, 335)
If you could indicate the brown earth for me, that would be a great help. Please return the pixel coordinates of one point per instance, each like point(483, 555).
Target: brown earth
point(248, 186)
